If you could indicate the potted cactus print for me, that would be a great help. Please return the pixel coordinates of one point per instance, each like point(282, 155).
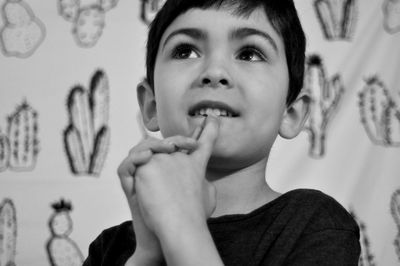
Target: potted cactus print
point(87, 136)
point(325, 98)
point(88, 21)
point(61, 250)
point(20, 147)
point(337, 18)
point(8, 233)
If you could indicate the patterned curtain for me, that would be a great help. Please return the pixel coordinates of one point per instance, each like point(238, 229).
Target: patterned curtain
point(68, 72)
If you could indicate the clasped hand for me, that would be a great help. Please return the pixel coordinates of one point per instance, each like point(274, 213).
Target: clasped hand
point(165, 185)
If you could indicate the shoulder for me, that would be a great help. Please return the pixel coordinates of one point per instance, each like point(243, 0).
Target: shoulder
point(320, 229)
point(321, 211)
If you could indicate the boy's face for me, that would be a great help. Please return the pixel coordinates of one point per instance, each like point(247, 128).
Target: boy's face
point(234, 65)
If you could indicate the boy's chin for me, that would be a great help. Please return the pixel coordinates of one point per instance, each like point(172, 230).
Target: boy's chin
point(224, 163)
point(230, 160)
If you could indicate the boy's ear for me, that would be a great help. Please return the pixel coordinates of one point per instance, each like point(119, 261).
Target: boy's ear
point(295, 116)
point(147, 104)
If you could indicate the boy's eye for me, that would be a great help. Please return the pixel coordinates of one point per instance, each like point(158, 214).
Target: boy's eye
point(250, 54)
point(184, 51)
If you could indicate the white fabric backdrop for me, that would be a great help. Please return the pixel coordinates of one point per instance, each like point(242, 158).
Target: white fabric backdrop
point(350, 149)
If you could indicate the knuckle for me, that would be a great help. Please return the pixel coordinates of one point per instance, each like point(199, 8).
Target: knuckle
point(136, 149)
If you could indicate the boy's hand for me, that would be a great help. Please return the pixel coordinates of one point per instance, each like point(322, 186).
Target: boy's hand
point(172, 189)
point(147, 246)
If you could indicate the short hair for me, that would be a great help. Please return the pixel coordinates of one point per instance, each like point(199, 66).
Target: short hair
point(281, 13)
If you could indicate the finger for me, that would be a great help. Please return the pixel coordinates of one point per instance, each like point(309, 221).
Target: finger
point(163, 146)
point(183, 143)
point(207, 139)
point(169, 145)
point(144, 145)
point(126, 170)
point(197, 131)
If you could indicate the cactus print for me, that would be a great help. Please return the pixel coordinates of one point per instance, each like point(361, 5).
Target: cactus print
point(391, 13)
point(22, 33)
point(337, 18)
point(395, 209)
point(149, 9)
point(325, 98)
point(366, 257)
point(87, 136)
point(380, 113)
point(8, 233)
point(23, 137)
point(19, 149)
point(4, 151)
point(88, 21)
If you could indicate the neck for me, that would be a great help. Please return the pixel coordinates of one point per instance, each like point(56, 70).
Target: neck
point(241, 191)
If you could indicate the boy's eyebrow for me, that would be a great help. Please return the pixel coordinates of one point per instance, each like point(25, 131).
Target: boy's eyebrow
point(241, 33)
point(237, 33)
point(194, 33)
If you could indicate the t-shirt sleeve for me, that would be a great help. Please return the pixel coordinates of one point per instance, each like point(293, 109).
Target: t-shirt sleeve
point(94, 253)
point(328, 247)
point(112, 247)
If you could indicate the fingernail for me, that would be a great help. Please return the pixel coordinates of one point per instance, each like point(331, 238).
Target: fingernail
point(213, 117)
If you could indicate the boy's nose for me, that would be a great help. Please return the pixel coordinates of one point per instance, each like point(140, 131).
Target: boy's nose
point(215, 82)
point(215, 75)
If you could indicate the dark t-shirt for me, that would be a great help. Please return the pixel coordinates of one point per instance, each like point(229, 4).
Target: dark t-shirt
point(301, 227)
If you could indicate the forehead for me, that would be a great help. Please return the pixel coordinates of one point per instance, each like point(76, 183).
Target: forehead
point(221, 21)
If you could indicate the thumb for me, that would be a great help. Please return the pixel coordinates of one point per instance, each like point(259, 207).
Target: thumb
point(207, 140)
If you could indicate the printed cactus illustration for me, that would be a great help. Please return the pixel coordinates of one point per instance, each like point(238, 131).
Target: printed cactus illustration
point(4, 151)
point(391, 13)
point(149, 9)
point(23, 138)
point(61, 249)
point(8, 233)
point(325, 98)
point(88, 21)
point(22, 32)
point(87, 136)
point(69, 9)
point(337, 18)
point(89, 26)
point(380, 113)
point(366, 256)
point(395, 209)
point(108, 4)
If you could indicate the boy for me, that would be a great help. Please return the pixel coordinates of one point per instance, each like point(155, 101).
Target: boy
point(223, 80)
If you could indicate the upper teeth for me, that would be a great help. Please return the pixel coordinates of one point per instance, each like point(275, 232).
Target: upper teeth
point(213, 111)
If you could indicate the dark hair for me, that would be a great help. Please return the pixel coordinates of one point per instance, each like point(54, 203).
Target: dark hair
point(281, 13)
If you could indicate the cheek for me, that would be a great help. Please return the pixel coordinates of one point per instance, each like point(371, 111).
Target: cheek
point(169, 108)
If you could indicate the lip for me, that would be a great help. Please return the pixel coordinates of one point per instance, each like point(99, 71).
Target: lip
point(213, 105)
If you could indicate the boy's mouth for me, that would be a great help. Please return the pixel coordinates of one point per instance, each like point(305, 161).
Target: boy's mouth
point(215, 108)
